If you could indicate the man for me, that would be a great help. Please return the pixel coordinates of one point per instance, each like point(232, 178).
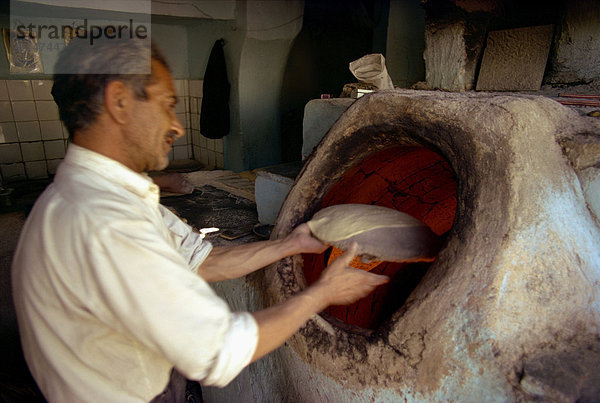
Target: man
point(110, 287)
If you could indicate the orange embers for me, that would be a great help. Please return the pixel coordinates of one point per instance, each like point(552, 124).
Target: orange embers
point(414, 180)
point(356, 262)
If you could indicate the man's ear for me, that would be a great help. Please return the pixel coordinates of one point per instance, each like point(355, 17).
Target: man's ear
point(118, 101)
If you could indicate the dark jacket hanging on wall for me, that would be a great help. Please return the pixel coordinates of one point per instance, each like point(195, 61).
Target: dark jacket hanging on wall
point(214, 115)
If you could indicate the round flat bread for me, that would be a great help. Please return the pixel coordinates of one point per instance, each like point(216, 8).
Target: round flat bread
point(381, 233)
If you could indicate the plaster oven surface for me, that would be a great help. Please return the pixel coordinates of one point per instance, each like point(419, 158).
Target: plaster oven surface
point(510, 309)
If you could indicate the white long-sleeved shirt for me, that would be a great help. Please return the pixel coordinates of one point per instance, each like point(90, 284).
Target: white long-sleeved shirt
point(107, 295)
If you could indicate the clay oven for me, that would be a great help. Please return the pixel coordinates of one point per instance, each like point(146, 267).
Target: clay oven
point(510, 308)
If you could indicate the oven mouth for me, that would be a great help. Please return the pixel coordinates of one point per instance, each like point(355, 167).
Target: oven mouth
point(412, 179)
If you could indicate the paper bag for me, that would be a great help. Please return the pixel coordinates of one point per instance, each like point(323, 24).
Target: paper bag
point(371, 69)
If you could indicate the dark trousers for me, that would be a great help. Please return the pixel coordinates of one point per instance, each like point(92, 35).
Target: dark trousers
point(179, 390)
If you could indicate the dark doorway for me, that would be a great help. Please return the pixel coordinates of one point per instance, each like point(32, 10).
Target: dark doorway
point(334, 33)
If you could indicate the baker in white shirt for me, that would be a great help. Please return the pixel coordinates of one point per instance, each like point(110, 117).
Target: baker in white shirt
point(111, 289)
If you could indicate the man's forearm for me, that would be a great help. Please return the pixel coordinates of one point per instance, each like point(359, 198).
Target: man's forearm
point(278, 323)
point(227, 263)
point(234, 262)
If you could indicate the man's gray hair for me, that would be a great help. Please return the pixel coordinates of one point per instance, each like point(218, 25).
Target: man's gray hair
point(80, 95)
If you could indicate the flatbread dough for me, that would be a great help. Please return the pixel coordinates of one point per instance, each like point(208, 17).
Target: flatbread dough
point(381, 233)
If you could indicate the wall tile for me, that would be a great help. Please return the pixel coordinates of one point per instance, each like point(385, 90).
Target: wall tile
point(36, 170)
point(193, 105)
point(195, 137)
point(41, 90)
point(19, 90)
point(183, 140)
point(51, 129)
point(219, 145)
point(6, 114)
point(195, 122)
point(13, 172)
point(9, 129)
point(196, 88)
point(10, 153)
point(54, 149)
point(29, 131)
point(180, 86)
point(181, 118)
point(24, 111)
point(53, 166)
point(33, 151)
point(4, 91)
point(180, 152)
point(210, 144)
point(220, 161)
point(204, 156)
point(47, 110)
point(180, 105)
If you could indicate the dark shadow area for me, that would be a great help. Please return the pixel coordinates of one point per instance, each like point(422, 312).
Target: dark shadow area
point(20, 196)
point(16, 383)
point(334, 33)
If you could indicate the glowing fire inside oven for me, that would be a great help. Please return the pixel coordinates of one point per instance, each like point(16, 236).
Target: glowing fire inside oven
point(411, 179)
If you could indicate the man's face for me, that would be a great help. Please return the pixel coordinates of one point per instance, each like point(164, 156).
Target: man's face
point(155, 126)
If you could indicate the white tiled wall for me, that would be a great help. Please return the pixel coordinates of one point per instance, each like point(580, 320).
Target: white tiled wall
point(182, 149)
point(33, 141)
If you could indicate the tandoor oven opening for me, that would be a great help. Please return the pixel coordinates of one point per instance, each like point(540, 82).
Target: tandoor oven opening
point(411, 179)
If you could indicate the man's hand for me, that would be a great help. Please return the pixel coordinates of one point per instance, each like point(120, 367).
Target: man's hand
point(302, 241)
point(173, 182)
point(341, 284)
